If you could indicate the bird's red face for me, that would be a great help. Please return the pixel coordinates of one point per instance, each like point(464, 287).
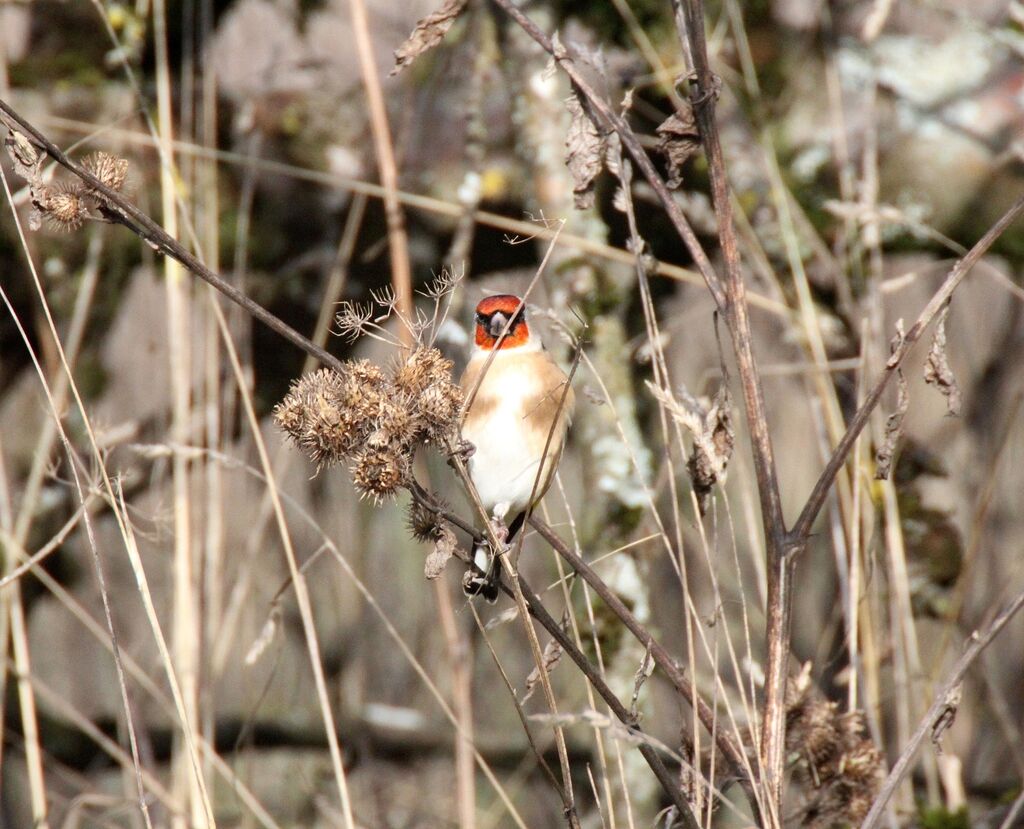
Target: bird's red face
point(493, 314)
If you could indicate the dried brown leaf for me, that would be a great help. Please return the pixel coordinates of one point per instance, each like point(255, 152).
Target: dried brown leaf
point(936, 368)
point(26, 158)
point(444, 548)
point(712, 448)
point(713, 436)
point(549, 659)
point(894, 423)
point(428, 33)
point(585, 152)
point(679, 141)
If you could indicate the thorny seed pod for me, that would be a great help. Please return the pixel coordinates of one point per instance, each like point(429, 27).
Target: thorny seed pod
point(836, 761)
point(424, 367)
point(109, 169)
point(377, 421)
point(315, 415)
point(378, 439)
point(365, 391)
point(63, 205)
point(398, 420)
point(424, 524)
point(439, 405)
point(378, 473)
point(816, 727)
point(367, 374)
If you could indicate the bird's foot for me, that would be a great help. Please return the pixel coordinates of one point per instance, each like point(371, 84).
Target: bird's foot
point(500, 533)
point(483, 578)
point(464, 450)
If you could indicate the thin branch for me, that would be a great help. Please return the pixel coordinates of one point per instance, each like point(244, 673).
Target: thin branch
point(520, 711)
point(732, 752)
point(398, 243)
point(797, 540)
point(548, 622)
point(118, 209)
point(587, 668)
point(978, 643)
point(632, 144)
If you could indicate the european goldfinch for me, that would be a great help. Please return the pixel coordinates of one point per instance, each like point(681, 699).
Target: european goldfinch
point(520, 405)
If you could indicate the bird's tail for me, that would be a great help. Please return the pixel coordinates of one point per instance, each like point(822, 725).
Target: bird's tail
point(485, 579)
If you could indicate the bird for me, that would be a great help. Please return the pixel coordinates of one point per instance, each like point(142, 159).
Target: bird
point(520, 407)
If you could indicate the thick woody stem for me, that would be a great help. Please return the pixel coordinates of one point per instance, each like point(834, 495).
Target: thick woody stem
point(703, 96)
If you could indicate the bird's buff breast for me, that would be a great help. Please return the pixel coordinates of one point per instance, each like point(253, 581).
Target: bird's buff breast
point(509, 435)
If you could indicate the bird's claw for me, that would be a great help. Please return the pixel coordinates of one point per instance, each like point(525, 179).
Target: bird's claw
point(500, 533)
point(464, 451)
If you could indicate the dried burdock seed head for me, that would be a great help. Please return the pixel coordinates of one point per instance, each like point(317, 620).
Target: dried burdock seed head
point(366, 391)
point(426, 379)
point(379, 472)
point(819, 736)
point(316, 416)
point(836, 762)
point(439, 406)
point(424, 524)
point(367, 374)
point(424, 367)
point(378, 439)
point(109, 169)
point(397, 421)
point(377, 421)
point(64, 206)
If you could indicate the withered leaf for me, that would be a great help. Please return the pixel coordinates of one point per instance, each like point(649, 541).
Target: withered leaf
point(679, 141)
point(550, 658)
point(936, 368)
point(444, 547)
point(428, 33)
point(894, 423)
point(27, 159)
point(713, 436)
point(585, 152)
point(712, 448)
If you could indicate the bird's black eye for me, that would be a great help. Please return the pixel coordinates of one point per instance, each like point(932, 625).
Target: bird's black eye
point(481, 318)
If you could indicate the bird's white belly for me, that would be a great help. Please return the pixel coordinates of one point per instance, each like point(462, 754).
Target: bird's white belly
point(503, 467)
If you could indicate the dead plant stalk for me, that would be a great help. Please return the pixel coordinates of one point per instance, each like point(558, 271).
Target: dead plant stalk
point(978, 641)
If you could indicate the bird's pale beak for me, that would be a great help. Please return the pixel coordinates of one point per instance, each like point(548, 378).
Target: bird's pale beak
point(497, 324)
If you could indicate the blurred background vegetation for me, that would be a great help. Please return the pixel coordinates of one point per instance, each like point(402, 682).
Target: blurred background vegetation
point(868, 144)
